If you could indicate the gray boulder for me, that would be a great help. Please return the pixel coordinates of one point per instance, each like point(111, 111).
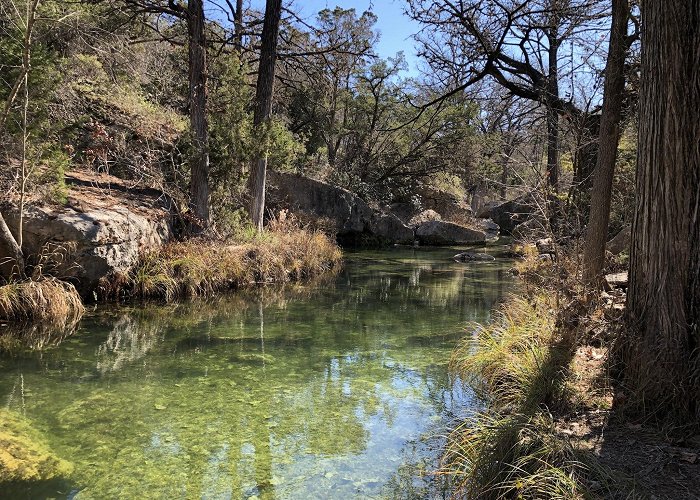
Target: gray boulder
point(485, 211)
point(448, 233)
point(346, 210)
point(491, 229)
point(424, 216)
point(510, 214)
point(545, 246)
point(389, 228)
point(86, 242)
point(621, 241)
point(444, 203)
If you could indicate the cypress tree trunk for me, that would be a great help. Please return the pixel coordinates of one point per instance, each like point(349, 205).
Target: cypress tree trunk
point(597, 229)
point(661, 360)
point(199, 162)
point(238, 28)
point(553, 115)
point(263, 105)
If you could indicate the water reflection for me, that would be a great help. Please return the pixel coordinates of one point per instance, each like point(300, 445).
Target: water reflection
point(337, 387)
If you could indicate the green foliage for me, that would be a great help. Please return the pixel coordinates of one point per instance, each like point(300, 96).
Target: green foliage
point(623, 198)
point(55, 163)
point(352, 108)
point(234, 142)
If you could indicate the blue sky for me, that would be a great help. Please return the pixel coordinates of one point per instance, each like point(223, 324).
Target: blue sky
point(395, 27)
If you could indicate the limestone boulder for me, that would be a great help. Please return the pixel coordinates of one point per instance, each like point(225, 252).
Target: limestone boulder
point(346, 210)
point(485, 211)
point(424, 216)
point(389, 228)
point(510, 214)
point(98, 232)
point(488, 226)
point(86, 246)
point(448, 233)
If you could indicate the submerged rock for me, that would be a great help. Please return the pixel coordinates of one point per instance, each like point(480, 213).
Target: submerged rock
point(23, 455)
point(469, 257)
point(448, 233)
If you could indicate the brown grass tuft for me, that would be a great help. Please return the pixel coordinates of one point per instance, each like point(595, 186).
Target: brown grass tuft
point(202, 268)
point(45, 300)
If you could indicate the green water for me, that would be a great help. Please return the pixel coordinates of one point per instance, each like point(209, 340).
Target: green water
point(334, 390)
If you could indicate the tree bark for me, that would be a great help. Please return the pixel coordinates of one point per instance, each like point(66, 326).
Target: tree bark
point(661, 359)
point(10, 243)
point(609, 137)
point(238, 28)
point(263, 106)
point(199, 162)
point(553, 114)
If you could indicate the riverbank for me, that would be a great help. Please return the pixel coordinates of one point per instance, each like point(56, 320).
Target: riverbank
point(198, 267)
point(554, 423)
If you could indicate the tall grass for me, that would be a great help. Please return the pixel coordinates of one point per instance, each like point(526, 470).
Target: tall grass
point(517, 365)
point(202, 268)
point(44, 300)
point(44, 311)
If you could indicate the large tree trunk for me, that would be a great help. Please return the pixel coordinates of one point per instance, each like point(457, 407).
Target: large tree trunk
point(238, 28)
point(553, 115)
point(199, 162)
point(597, 229)
point(263, 105)
point(660, 354)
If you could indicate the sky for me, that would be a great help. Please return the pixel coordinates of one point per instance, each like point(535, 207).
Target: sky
point(395, 27)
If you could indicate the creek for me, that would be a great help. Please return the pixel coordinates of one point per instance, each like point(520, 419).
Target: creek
point(336, 389)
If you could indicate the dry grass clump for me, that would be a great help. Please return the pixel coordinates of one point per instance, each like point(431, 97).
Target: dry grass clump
point(46, 300)
point(201, 268)
point(494, 456)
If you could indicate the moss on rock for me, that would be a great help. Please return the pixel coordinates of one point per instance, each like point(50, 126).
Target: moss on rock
point(24, 456)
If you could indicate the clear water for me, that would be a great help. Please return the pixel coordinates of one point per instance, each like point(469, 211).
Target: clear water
point(333, 390)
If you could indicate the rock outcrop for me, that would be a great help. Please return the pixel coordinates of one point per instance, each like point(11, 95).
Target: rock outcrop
point(356, 222)
point(446, 204)
point(510, 214)
point(423, 217)
point(96, 233)
point(346, 210)
point(448, 233)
